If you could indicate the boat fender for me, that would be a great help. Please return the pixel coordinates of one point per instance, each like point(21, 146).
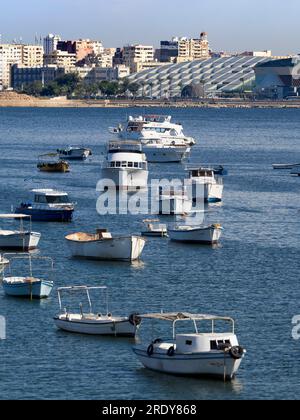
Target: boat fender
point(237, 352)
point(171, 351)
point(150, 350)
point(134, 319)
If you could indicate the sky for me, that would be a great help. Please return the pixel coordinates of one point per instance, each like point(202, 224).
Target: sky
point(232, 25)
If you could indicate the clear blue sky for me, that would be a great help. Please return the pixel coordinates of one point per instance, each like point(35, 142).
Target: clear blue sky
point(233, 25)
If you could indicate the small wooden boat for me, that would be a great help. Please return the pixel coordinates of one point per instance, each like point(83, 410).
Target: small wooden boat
point(287, 166)
point(48, 206)
point(154, 228)
point(74, 153)
point(103, 246)
point(27, 286)
point(196, 234)
point(94, 323)
point(51, 163)
point(212, 352)
point(21, 239)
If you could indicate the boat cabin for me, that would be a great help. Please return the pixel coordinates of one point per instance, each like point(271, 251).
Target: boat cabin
point(50, 197)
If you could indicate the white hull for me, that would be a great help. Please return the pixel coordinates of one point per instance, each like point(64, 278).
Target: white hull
point(201, 364)
point(122, 249)
point(19, 287)
point(127, 179)
point(166, 154)
point(113, 327)
point(207, 192)
point(19, 240)
point(209, 235)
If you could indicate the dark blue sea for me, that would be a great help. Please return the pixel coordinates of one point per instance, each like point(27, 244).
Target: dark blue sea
point(253, 276)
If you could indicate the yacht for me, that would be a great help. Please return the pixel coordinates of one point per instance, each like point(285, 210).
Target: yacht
point(164, 150)
point(205, 185)
point(157, 125)
point(74, 153)
point(48, 206)
point(125, 165)
point(204, 350)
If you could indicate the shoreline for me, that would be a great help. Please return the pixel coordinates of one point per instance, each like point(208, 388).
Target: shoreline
point(13, 100)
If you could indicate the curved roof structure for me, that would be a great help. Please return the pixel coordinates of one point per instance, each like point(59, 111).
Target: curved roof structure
point(217, 75)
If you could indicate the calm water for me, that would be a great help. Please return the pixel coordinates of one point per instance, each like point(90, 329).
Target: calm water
point(253, 276)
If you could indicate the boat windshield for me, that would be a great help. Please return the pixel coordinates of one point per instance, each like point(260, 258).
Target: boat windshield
point(51, 199)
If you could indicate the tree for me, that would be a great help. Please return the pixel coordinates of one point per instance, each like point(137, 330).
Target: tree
point(33, 89)
point(134, 88)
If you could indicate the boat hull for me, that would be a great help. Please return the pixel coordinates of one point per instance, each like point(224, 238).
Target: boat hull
point(36, 290)
point(214, 364)
point(54, 167)
point(19, 241)
point(115, 249)
point(43, 215)
point(126, 179)
point(166, 154)
point(107, 328)
point(174, 205)
point(208, 235)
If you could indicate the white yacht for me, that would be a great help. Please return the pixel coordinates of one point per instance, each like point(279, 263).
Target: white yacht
point(125, 165)
point(214, 352)
point(160, 126)
point(164, 150)
point(74, 153)
point(205, 185)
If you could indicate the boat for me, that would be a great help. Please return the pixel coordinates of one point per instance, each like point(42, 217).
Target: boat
point(165, 151)
point(287, 166)
point(204, 185)
point(174, 202)
point(27, 286)
point(296, 171)
point(154, 228)
point(21, 239)
point(3, 263)
point(103, 246)
point(199, 353)
point(196, 234)
point(92, 323)
point(48, 205)
point(74, 153)
point(125, 166)
point(160, 126)
point(50, 162)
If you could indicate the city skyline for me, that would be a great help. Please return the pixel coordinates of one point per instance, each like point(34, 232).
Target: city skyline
point(236, 27)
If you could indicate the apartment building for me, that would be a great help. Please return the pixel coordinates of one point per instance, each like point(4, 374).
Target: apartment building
point(133, 55)
point(10, 54)
point(179, 50)
point(32, 55)
point(60, 59)
point(50, 43)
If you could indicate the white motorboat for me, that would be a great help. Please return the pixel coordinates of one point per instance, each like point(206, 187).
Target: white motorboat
point(21, 239)
point(103, 246)
point(160, 126)
point(215, 354)
point(48, 206)
point(74, 153)
point(278, 166)
point(27, 286)
point(296, 171)
point(174, 202)
point(204, 185)
point(196, 234)
point(92, 323)
point(153, 227)
point(3, 263)
point(125, 166)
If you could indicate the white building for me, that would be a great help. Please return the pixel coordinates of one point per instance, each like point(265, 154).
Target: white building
point(9, 54)
point(136, 54)
point(50, 43)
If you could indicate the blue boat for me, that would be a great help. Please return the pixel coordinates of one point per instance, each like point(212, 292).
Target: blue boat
point(27, 286)
point(48, 206)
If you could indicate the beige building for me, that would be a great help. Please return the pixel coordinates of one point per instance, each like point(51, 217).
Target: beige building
point(133, 55)
point(60, 59)
point(193, 49)
point(25, 55)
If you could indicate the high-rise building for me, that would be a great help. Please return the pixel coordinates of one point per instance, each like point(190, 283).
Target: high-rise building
point(185, 49)
point(133, 55)
point(50, 43)
point(32, 55)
